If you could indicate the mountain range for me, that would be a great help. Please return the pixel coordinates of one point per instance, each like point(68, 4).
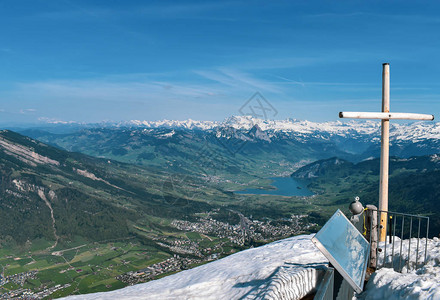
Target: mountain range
point(421, 130)
point(244, 152)
point(241, 149)
point(171, 186)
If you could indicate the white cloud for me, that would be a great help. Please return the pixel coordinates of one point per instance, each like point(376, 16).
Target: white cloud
point(27, 110)
point(54, 121)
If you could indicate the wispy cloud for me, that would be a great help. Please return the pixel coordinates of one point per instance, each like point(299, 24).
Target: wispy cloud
point(73, 10)
point(410, 17)
point(104, 89)
point(211, 94)
point(238, 79)
point(25, 111)
point(184, 10)
point(278, 59)
point(54, 121)
point(302, 83)
point(290, 81)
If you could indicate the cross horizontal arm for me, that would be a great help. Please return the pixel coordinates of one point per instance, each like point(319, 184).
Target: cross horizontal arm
point(385, 116)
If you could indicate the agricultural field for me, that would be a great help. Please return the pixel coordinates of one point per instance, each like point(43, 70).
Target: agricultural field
point(81, 268)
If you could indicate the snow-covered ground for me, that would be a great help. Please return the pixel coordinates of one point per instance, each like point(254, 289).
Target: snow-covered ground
point(423, 283)
point(286, 269)
point(263, 272)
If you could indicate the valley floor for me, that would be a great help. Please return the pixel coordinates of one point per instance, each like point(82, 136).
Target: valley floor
point(83, 267)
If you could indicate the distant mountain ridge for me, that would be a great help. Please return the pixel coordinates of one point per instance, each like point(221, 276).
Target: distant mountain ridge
point(413, 131)
point(291, 141)
point(352, 137)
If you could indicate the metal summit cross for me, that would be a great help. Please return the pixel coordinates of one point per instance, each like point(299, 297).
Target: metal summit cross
point(385, 116)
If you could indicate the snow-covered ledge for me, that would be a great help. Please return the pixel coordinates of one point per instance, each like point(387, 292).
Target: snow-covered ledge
point(286, 269)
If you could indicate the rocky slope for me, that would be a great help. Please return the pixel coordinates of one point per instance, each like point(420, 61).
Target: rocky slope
point(50, 193)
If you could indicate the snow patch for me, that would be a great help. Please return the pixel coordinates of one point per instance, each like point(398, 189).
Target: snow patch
point(423, 283)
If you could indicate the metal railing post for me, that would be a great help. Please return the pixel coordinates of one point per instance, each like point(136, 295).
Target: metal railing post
point(374, 232)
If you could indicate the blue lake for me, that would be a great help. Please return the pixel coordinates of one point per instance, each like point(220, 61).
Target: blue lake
point(284, 186)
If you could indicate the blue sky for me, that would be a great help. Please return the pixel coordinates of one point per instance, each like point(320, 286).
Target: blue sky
point(90, 61)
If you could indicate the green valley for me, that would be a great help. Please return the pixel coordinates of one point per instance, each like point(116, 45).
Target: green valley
point(72, 223)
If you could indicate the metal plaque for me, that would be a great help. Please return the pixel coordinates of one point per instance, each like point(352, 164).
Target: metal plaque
point(345, 248)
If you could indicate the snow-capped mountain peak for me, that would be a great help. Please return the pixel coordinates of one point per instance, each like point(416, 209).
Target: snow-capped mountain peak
point(186, 124)
point(414, 131)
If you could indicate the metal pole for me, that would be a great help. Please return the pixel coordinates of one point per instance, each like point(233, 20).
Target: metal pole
point(394, 235)
point(418, 240)
point(401, 244)
point(426, 244)
point(409, 245)
point(384, 152)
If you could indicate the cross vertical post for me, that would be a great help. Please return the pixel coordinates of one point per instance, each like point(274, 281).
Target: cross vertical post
point(385, 116)
point(384, 151)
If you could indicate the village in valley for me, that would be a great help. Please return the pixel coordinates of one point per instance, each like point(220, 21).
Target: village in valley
point(92, 267)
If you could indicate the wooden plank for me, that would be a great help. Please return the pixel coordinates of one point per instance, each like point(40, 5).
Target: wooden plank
point(385, 116)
